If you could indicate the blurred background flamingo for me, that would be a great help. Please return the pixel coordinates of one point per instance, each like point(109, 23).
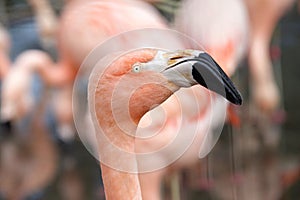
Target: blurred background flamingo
point(264, 15)
point(29, 143)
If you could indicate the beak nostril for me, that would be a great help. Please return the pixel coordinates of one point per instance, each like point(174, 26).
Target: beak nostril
point(176, 57)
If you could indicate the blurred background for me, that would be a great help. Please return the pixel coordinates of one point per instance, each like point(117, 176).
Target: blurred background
point(43, 43)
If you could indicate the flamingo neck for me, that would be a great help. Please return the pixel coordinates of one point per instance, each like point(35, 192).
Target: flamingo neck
point(118, 184)
point(118, 124)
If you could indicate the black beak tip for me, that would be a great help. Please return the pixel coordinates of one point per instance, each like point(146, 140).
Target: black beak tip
point(210, 75)
point(238, 100)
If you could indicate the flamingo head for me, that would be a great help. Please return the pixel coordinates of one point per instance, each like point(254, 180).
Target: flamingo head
point(185, 68)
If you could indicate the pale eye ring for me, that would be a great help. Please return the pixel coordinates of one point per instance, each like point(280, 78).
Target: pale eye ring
point(136, 68)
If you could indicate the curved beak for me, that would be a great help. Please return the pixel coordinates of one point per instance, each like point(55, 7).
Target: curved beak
point(190, 67)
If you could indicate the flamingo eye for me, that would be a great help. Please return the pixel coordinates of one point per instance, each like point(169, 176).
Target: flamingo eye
point(136, 68)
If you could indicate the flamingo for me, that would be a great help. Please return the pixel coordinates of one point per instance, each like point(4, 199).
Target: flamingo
point(28, 164)
point(166, 73)
point(264, 16)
